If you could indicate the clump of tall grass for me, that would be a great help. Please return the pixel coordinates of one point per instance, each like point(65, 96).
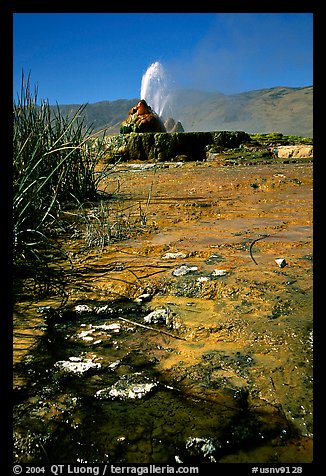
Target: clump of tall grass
point(53, 166)
point(111, 223)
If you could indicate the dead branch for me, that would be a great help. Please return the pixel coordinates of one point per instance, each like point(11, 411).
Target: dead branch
point(151, 328)
point(252, 244)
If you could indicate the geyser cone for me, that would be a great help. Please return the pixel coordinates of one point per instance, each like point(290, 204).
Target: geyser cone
point(141, 118)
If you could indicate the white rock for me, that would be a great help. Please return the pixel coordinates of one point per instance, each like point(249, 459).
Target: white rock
point(115, 364)
point(294, 151)
point(219, 272)
point(115, 327)
point(281, 262)
point(75, 359)
point(143, 297)
point(77, 367)
point(159, 315)
point(183, 270)
point(83, 309)
point(98, 341)
point(106, 309)
point(311, 340)
point(128, 388)
point(174, 255)
point(202, 446)
point(85, 335)
point(202, 279)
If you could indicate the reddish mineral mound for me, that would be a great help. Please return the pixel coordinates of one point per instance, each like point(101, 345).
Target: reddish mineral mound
point(141, 118)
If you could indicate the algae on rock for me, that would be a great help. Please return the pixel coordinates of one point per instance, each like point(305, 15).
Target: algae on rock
point(163, 146)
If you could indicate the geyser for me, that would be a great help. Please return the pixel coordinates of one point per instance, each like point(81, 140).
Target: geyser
point(147, 114)
point(155, 88)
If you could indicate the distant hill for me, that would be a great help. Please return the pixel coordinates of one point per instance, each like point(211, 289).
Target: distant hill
point(280, 109)
point(103, 114)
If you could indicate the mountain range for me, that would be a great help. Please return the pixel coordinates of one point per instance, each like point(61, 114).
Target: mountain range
point(279, 109)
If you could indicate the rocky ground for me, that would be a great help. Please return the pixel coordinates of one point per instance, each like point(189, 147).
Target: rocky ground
point(191, 339)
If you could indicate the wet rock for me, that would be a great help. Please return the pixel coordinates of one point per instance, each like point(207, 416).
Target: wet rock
point(83, 309)
point(94, 334)
point(143, 298)
point(214, 258)
point(77, 366)
point(159, 316)
point(114, 327)
point(174, 321)
point(44, 309)
point(85, 335)
point(188, 286)
point(127, 388)
point(162, 146)
point(114, 365)
point(311, 340)
point(104, 310)
point(204, 448)
point(183, 270)
point(54, 315)
point(164, 316)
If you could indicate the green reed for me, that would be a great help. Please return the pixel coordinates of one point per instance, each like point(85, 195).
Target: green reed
point(53, 167)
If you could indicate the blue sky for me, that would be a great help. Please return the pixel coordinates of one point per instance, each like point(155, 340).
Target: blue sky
point(88, 57)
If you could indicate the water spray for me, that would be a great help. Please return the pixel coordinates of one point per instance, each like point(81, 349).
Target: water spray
point(155, 88)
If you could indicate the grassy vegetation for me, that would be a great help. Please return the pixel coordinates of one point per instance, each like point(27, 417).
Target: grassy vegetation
point(280, 139)
point(57, 194)
point(53, 168)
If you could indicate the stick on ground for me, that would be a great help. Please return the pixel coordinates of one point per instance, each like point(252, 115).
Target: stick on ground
point(251, 245)
point(151, 328)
